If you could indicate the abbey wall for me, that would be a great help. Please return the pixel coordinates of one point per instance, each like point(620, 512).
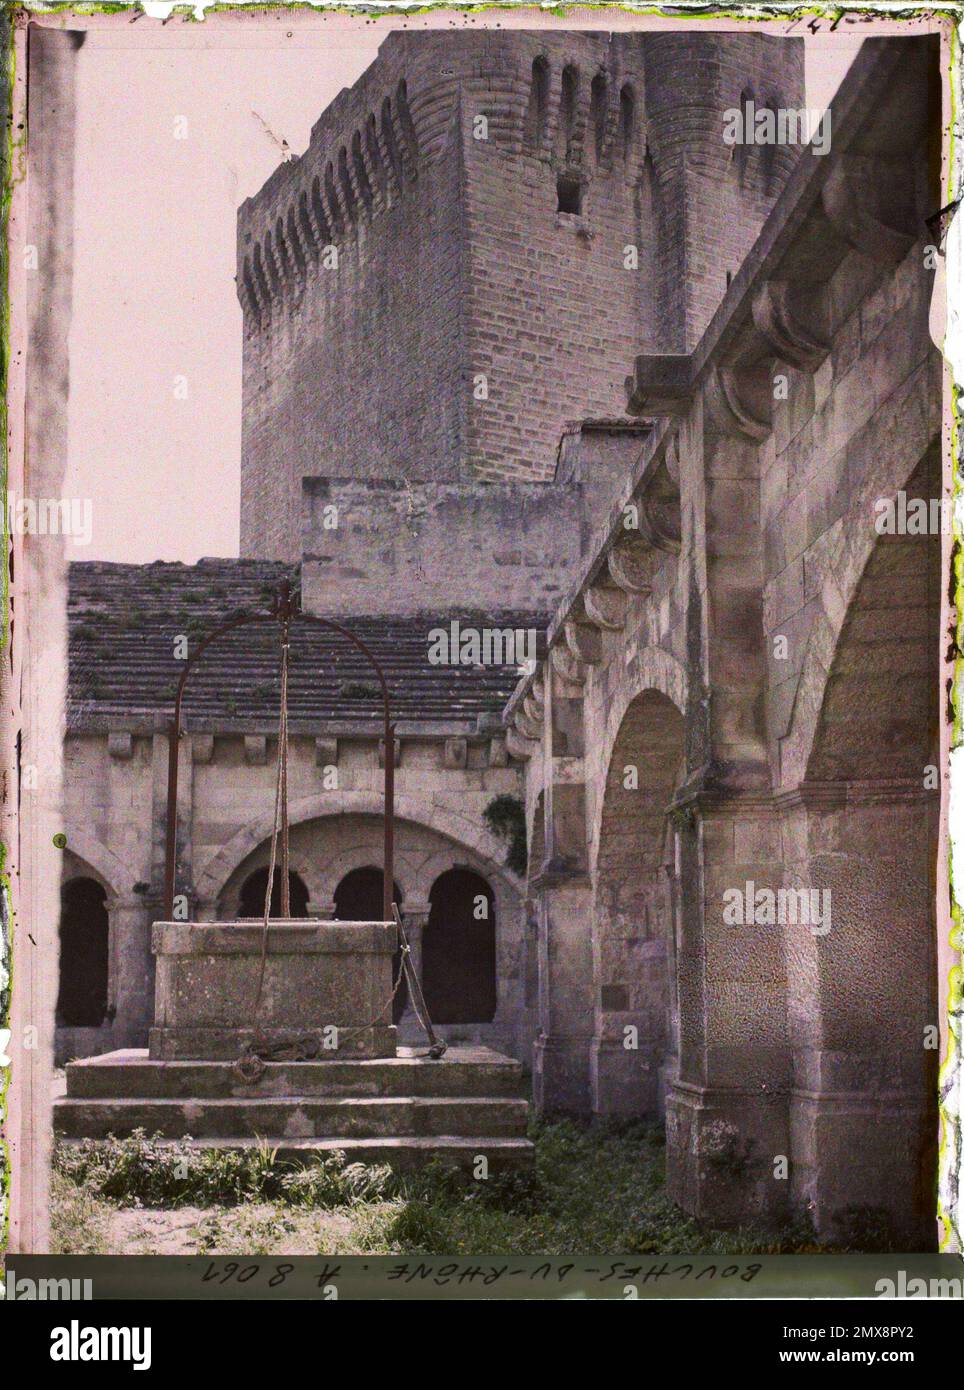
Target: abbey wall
point(466, 402)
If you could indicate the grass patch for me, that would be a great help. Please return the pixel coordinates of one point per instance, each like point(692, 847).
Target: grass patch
point(594, 1190)
point(142, 1171)
point(79, 1221)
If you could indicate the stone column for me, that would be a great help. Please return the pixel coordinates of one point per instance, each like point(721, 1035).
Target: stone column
point(560, 1063)
point(864, 1013)
point(132, 976)
point(726, 1113)
point(415, 919)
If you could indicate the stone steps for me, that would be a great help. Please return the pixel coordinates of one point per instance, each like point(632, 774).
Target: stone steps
point(403, 1152)
point(296, 1117)
point(474, 1071)
point(403, 1110)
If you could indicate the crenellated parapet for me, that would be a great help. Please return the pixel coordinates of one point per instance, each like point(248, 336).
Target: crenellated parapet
point(313, 203)
point(574, 101)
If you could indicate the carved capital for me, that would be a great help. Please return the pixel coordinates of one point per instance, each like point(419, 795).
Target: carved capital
point(631, 566)
point(532, 708)
point(326, 752)
point(727, 398)
point(255, 750)
point(536, 694)
point(583, 641)
point(659, 512)
point(528, 728)
point(661, 384)
point(455, 753)
point(518, 747)
point(869, 203)
point(498, 753)
point(774, 320)
point(565, 665)
point(202, 748)
point(605, 605)
point(396, 752)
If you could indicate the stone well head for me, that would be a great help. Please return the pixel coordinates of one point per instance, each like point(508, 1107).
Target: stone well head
point(326, 985)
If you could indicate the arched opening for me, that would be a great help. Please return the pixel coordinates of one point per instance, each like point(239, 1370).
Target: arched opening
point(271, 264)
point(84, 935)
point(408, 125)
point(374, 151)
point(361, 173)
point(569, 195)
point(318, 208)
point(260, 277)
point(568, 98)
point(390, 143)
point(307, 232)
point(294, 241)
point(253, 890)
point(281, 246)
point(335, 219)
point(864, 989)
point(458, 949)
point(635, 905)
point(347, 191)
point(538, 108)
point(598, 111)
point(249, 284)
point(358, 898)
point(627, 119)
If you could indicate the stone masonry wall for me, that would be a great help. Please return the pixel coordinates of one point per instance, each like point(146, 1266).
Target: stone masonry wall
point(454, 264)
point(113, 821)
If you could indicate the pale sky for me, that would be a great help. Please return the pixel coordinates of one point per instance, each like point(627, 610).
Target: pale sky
point(155, 313)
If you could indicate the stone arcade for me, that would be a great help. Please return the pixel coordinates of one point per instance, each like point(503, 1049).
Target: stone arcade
point(737, 678)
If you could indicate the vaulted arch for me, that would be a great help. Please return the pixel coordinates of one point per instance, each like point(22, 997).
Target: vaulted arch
point(84, 954)
point(451, 824)
point(633, 910)
point(459, 949)
point(863, 990)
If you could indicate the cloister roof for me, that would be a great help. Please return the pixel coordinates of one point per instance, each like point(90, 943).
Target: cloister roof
point(124, 619)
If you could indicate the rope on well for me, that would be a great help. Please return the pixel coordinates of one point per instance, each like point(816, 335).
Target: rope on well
point(250, 1065)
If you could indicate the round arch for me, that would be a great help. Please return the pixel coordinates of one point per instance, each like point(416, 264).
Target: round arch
point(84, 970)
point(358, 898)
point(459, 949)
point(857, 546)
point(252, 893)
point(100, 862)
point(446, 822)
point(864, 989)
point(654, 673)
point(634, 907)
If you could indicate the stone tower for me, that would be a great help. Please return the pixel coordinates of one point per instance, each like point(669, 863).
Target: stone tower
point(482, 234)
